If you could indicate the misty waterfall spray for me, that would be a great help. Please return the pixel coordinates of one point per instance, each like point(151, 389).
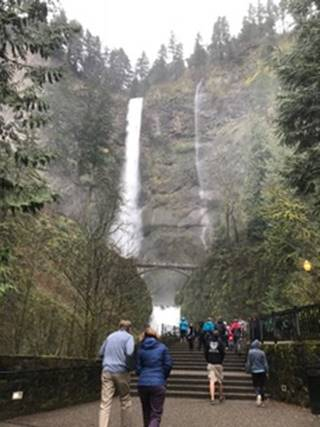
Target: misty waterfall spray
point(204, 217)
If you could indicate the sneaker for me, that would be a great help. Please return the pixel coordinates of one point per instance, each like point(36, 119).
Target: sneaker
point(212, 402)
point(222, 399)
point(259, 400)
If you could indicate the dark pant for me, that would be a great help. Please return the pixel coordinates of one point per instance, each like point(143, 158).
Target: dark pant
point(152, 400)
point(259, 383)
point(191, 342)
point(201, 341)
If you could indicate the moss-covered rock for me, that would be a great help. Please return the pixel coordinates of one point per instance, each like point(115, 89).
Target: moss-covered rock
point(233, 99)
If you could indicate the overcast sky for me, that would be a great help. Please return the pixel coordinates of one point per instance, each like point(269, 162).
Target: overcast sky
point(138, 25)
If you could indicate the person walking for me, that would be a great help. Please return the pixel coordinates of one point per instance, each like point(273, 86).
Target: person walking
point(222, 329)
point(191, 336)
point(209, 326)
point(183, 327)
point(257, 366)
point(115, 352)
point(214, 354)
point(200, 335)
point(236, 333)
point(154, 364)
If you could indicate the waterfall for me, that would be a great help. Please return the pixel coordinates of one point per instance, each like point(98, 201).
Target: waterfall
point(205, 221)
point(165, 318)
point(128, 233)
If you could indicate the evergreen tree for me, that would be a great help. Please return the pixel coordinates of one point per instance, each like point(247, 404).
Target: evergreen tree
point(159, 70)
point(177, 65)
point(120, 71)
point(142, 67)
point(250, 32)
point(172, 46)
point(220, 46)
point(299, 102)
point(140, 81)
point(199, 56)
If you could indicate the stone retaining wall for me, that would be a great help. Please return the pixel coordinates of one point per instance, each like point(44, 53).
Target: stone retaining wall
point(46, 383)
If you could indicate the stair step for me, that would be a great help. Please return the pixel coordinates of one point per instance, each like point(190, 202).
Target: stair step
point(202, 381)
point(189, 377)
point(204, 368)
point(204, 387)
point(205, 395)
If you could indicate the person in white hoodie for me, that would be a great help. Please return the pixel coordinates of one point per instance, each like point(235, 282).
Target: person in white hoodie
point(257, 366)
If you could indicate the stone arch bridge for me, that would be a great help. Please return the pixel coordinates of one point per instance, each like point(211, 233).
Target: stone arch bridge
point(183, 269)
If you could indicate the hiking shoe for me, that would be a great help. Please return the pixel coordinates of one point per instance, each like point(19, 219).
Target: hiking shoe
point(259, 400)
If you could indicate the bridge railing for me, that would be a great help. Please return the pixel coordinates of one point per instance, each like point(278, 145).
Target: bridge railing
point(298, 323)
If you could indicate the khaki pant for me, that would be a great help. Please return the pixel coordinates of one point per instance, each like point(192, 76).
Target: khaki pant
point(115, 385)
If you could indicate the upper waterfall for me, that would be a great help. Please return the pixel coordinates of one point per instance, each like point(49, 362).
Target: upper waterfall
point(128, 234)
point(205, 221)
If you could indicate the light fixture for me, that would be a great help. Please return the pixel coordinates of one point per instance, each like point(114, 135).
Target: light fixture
point(307, 265)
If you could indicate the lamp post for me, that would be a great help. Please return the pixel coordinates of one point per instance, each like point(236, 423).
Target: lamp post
point(307, 266)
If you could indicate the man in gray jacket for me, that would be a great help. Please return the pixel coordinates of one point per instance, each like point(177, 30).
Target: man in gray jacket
point(257, 365)
point(115, 351)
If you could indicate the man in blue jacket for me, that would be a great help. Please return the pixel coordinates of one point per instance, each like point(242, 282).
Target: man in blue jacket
point(208, 326)
point(115, 351)
point(184, 328)
point(257, 365)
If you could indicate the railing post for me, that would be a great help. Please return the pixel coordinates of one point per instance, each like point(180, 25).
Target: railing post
point(275, 339)
point(261, 329)
point(297, 322)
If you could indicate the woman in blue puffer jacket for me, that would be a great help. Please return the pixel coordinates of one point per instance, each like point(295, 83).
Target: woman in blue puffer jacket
point(154, 364)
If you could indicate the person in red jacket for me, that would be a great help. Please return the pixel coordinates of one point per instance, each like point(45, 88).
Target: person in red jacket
point(236, 332)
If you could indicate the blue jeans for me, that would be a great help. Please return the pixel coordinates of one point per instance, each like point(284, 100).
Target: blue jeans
point(152, 400)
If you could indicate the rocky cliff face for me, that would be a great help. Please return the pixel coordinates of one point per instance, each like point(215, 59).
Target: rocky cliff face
point(232, 102)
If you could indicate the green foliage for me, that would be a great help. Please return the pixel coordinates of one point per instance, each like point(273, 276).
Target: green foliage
point(288, 364)
point(199, 57)
point(220, 47)
point(140, 81)
point(176, 65)
point(70, 289)
point(159, 70)
point(299, 101)
point(24, 34)
point(119, 69)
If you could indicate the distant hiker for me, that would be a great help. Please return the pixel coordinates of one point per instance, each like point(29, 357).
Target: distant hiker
point(183, 327)
point(191, 336)
point(208, 326)
point(214, 353)
point(153, 368)
point(222, 329)
point(236, 333)
point(200, 335)
point(257, 366)
point(115, 351)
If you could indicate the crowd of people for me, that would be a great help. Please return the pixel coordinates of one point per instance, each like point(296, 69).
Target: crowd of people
point(152, 362)
point(218, 337)
point(231, 334)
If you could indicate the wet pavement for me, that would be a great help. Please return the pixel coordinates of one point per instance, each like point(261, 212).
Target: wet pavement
point(180, 413)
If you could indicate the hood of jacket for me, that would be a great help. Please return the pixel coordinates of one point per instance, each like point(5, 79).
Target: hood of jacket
point(149, 343)
point(256, 344)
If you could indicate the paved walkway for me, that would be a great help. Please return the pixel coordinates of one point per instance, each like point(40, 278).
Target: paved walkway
point(181, 413)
